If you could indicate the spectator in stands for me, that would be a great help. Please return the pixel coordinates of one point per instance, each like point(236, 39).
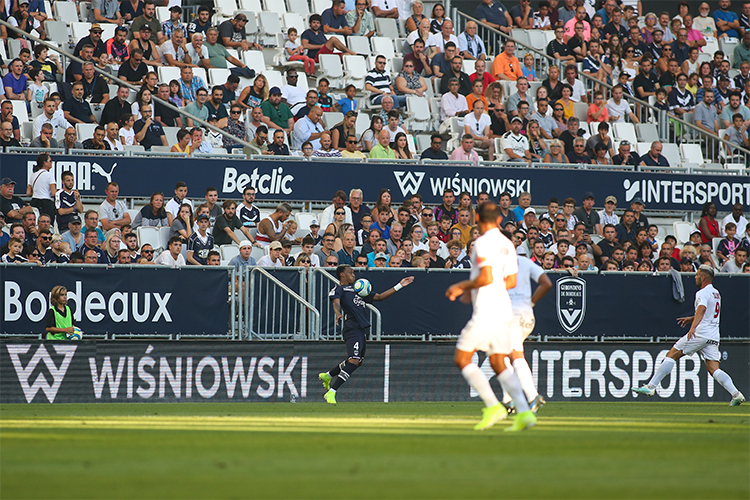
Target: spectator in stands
point(573, 131)
point(134, 69)
point(173, 52)
point(334, 19)
point(325, 150)
point(147, 19)
point(737, 263)
point(437, 41)
point(44, 140)
point(522, 95)
point(553, 85)
point(74, 72)
point(742, 51)
point(523, 15)
point(309, 128)
point(148, 48)
point(277, 147)
point(556, 152)
point(409, 82)
point(190, 84)
point(601, 138)
point(566, 12)
point(73, 236)
point(495, 15)
point(351, 150)
point(578, 154)
point(218, 56)
point(97, 141)
point(456, 72)
point(383, 149)
point(618, 108)
point(201, 22)
point(173, 256)
point(646, 83)
point(705, 115)
point(586, 214)
point(216, 106)
point(6, 136)
point(226, 224)
point(626, 228)
point(236, 127)
point(90, 244)
point(70, 139)
point(105, 11)
point(198, 107)
point(615, 27)
point(148, 132)
point(166, 116)
point(50, 67)
point(727, 22)
point(680, 99)
point(734, 107)
point(315, 42)
point(173, 24)
point(76, 109)
point(22, 19)
point(153, 214)
point(95, 40)
point(115, 108)
point(441, 62)
point(435, 151)
point(95, 89)
point(597, 111)
point(477, 125)
point(117, 47)
point(578, 93)
point(113, 212)
point(466, 150)
point(487, 79)
point(704, 22)
point(183, 142)
point(654, 158)
point(625, 155)
point(197, 144)
point(15, 81)
point(470, 46)
point(506, 66)
point(680, 48)
point(378, 82)
point(593, 64)
point(197, 51)
point(419, 59)
point(276, 114)
point(737, 133)
point(558, 49)
point(260, 140)
point(572, 32)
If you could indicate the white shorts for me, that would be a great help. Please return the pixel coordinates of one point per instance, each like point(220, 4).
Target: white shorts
point(489, 336)
point(709, 349)
point(521, 327)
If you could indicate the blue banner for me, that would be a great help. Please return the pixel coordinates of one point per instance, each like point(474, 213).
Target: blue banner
point(305, 181)
point(592, 305)
point(115, 300)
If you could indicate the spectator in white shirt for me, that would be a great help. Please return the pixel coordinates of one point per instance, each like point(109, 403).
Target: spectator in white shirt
point(173, 256)
point(477, 124)
point(618, 108)
point(113, 137)
point(453, 103)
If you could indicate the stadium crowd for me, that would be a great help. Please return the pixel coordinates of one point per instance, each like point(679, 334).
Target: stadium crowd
point(565, 236)
point(650, 57)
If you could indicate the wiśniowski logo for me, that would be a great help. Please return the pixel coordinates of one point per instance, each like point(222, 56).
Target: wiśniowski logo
point(409, 182)
point(41, 355)
point(571, 303)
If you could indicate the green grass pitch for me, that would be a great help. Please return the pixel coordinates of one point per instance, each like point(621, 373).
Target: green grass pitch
point(639, 449)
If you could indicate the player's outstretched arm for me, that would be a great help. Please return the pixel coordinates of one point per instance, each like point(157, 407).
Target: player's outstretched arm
point(401, 284)
point(483, 279)
point(685, 321)
point(337, 310)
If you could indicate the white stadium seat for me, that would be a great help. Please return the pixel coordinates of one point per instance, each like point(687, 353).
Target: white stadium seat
point(330, 68)
point(276, 6)
point(66, 12)
point(251, 5)
point(270, 24)
point(625, 131)
point(672, 153)
point(418, 112)
point(168, 73)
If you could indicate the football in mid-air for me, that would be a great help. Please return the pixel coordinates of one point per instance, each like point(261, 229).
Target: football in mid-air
point(362, 287)
point(76, 335)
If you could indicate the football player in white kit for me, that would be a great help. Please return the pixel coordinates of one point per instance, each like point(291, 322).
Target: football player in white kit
point(523, 324)
point(703, 337)
point(493, 271)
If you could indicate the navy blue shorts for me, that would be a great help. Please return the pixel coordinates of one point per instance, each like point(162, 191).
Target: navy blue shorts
point(355, 343)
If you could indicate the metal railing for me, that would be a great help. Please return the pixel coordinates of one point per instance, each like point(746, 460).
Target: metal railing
point(273, 311)
point(671, 128)
point(321, 282)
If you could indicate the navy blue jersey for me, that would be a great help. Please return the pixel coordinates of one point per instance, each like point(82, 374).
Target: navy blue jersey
point(65, 200)
point(199, 247)
point(250, 217)
point(353, 306)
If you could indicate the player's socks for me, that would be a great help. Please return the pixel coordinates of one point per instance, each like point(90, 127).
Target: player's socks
point(725, 380)
point(664, 369)
point(479, 382)
point(343, 375)
point(511, 385)
point(334, 372)
point(523, 372)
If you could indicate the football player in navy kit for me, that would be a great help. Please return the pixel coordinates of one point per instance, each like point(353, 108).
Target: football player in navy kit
point(351, 310)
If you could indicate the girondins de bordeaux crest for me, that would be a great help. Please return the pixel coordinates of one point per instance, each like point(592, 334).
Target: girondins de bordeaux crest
point(571, 303)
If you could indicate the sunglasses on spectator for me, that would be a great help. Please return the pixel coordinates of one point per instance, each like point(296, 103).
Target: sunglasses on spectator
point(426, 214)
point(147, 251)
point(351, 142)
point(340, 213)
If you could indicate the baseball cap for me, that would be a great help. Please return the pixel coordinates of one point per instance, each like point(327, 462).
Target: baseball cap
point(203, 217)
point(529, 210)
point(637, 200)
point(22, 2)
point(286, 244)
point(274, 91)
point(74, 220)
point(516, 119)
point(694, 231)
point(381, 255)
point(7, 181)
point(145, 27)
point(686, 260)
point(212, 116)
point(588, 195)
point(274, 245)
point(175, 8)
point(314, 222)
point(545, 217)
point(581, 244)
point(96, 27)
point(610, 198)
point(246, 243)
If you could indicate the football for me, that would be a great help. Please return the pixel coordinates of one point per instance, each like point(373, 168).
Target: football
point(362, 287)
point(76, 335)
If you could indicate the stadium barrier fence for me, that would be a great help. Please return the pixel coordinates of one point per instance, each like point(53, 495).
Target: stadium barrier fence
point(211, 371)
point(293, 180)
